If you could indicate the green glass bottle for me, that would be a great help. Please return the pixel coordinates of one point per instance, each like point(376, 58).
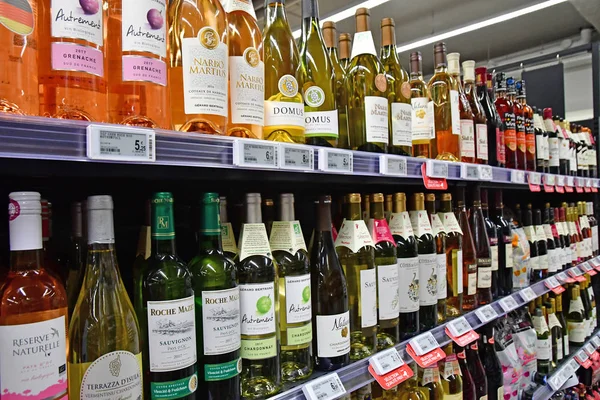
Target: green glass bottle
point(167, 320)
point(217, 300)
point(259, 306)
point(295, 312)
point(229, 245)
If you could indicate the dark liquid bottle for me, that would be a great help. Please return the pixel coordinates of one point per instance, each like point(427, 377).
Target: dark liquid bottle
point(519, 123)
point(553, 143)
point(469, 388)
point(529, 127)
point(482, 250)
point(477, 371)
point(505, 250)
point(492, 232)
point(533, 249)
point(551, 244)
point(469, 261)
point(559, 213)
point(542, 245)
point(495, 128)
point(506, 110)
point(491, 363)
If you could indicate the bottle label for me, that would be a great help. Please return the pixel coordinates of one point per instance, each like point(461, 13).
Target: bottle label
point(543, 348)
point(144, 28)
point(75, 57)
point(408, 282)
point(553, 321)
point(420, 223)
point(333, 335)
point(33, 356)
point(484, 276)
point(534, 263)
point(577, 331)
point(553, 260)
point(221, 321)
point(368, 298)
point(451, 367)
point(247, 87)
point(287, 236)
point(457, 272)
point(495, 260)
point(428, 279)
point(228, 238)
point(223, 371)
point(520, 127)
point(467, 138)
point(508, 248)
point(257, 307)
point(442, 289)
point(297, 299)
point(500, 149)
point(431, 119)
point(510, 131)
point(376, 118)
point(401, 124)
point(420, 127)
point(144, 69)
point(554, 152)
point(387, 278)
point(75, 20)
point(530, 233)
point(299, 335)
point(548, 232)
point(354, 235)
point(543, 262)
point(450, 223)
point(530, 136)
point(563, 152)
point(437, 226)
point(171, 334)
point(559, 349)
point(285, 113)
point(177, 389)
point(239, 5)
point(321, 123)
point(259, 349)
point(539, 233)
point(205, 73)
point(400, 225)
point(363, 44)
point(472, 281)
point(482, 141)
point(380, 231)
point(430, 375)
point(455, 112)
point(254, 241)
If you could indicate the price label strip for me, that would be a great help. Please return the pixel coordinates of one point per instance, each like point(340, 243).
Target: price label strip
point(437, 169)
point(255, 154)
point(425, 350)
point(469, 172)
point(560, 180)
point(461, 332)
point(120, 143)
point(486, 313)
point(296, 157)
point(583, 359)
point(388, 368)
point(508, 303)
point(560, 377)
point(393, 165)
point(553, 284)
point(534, 180)
point(336, 160)
point(591, 350)
point(517, 176)
point(527, 294)
point(328, 387)
point(587, 267)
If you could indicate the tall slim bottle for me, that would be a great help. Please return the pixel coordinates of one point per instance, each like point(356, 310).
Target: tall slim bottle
point(345, 50)
point(228, 243)
point(505, 250)
point(76, 256)
point(167, 311)
point(259, 306)
point(454, 258)
point(444, 94)
point(408, 267)
point(479, 119)
point(507, 114)
point(320, 108)
point(491, 363)
point(555, 333)
point(478, 373)
point(469, 255)
point(553, 142)
point(356, 253)
point(295, 315)
point(519, 123)
point(367, 88)
point(467, 127)
point(329, 36)
point(329, 294)
point(104, 334)
point(198, 66)
point(492, 232)
point(452, 381)
point(542, 243)
point(423, 139)
point(563, 325)
point(439, 234)
point(530, 156)
point(576, 319)
point(543, 344)
point(469, 388)
point(245, 105)
point(399, 93)
point(554, 263)
point(495, 128)
point(534, 261)
point(217, 308)
point(33, 311)
point(430, 382)
point(482, 250)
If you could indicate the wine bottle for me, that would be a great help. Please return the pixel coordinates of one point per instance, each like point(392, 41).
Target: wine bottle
point(167, 309)
point(519, 123)
point(534, 262)
point(427, 263)
point(479, 118)
point(144, 250)
point(469, 256)
point(329, 293)
point(492, 232)
point(387, 275)
point(467, 127)
point(33, 311)
point(491, 363)
point(469, 388)
point(355, 249)
point(76, 257)
point(530, 156)
point(553, 144)
point(586, 230)
point(588, 315)
point(399, 93)
point(389, 207)
point(452, 381)
point(259, 306)
point(443, 91)
point(284, 77)
point(563, 325)
point(430, 382)
point(506, 110)
point(553, 253)
point(345, 50)
point(217, 306)
point(543, 346)
point(367, 88)
point(541, 142)
point(576, 320)
point(454, 258)
point(555, 333)
point(228, 242)
point(592, 297)
point(198, 95)
point(295, 315)
point(268, 214)
point(104, 334)
point(408, 267)
point(505, 250)
point(556, 230)
point(50, 259)
point(423, 139)
point(329, 36)
point(482, 249)
point(564, 229)
point(439, 234)
point(246, 71)
point(495, 128)
point(366, 207)
point(409, 389)
point(478, 373)
point(594, 228)
point(542, 243)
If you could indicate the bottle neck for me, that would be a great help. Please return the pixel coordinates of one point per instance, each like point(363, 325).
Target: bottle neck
point(163, 227)
point(377, 211)
point(100, 227)
point(25, 260)
point(253, 213)
point(286, 210)
point(275, 10)
point(353, 212)
point(446, 206)
point(389, 51)
point(163, 246)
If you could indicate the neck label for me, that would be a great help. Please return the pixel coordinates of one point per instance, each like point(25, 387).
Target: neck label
point(363, 44)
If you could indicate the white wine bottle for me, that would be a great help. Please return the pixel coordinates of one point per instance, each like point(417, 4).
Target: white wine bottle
point(284, 77)
point(345, 50)
point(104, 335)
point(320, 110)
point(366, 87)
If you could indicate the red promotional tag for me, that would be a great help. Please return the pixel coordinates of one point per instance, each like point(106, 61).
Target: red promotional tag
point(580, 279)
point(433, 183)
point(587, 189)
point(535, 188)
point(569, 189)
point(560, 189)
point(578, 189)
point(548, 188)
point(465, 339)
point(557, 289)
point(426, 359)
point(591, 272)
point(595, 356)
point(394, 378)
point(594, 190)
point(583, 359)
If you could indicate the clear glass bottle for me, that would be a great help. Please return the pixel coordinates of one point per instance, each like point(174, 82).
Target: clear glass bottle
point(467, 127)
point(345, 50)
point(440, 235)
point(454, 257)
point(506, 111)
point(424, 143)
point(482, 249)
point(479, 118)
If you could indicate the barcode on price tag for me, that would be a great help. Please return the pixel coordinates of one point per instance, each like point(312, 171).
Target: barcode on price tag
point(254, 153)
point(459, 326)
point(508, 303)
point(328, 387)
point(582, 355)
point(424, 343)
point(335, 160)
point(486, 313)
point(528, 294)
point(534, 178)
point(552, 282)
point(437, 169)
point(560, 180)
point(486, 173)
point(596, 341)
point(386, 361)
point(296, 157)
point(570, 181)
point(393, 165)
point(586, 266)
point(575, 271)
point(120, 143)
point(517, 176)
point(469, 172)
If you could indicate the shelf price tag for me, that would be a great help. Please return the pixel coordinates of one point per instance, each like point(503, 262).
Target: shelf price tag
point(508, 303)
point(595, 263)
point(335, 160)
point(553, 284)
point(576, 273)
point(583, 359)
point(461, 332)
point(486, 313)
point(328, 387)
point(569, 184)
point(393, 165)
point(560, 377)
point(549, 179)
point(517, 176)
point(386, 361)
point(437, 169)
point(255, 153)
point(390, 361)
point(565, 278)
point(534, 178)
point(528, 294)
point(469, 172)
point(596, 341)
point(120, 143)
point(590, 349)
point(560, 180)
point(486, 173)
point(296, 157)
point(433, 183)
point(425, 350)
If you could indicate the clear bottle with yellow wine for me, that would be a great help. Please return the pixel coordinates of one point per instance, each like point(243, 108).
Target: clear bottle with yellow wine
point(329, 35)
point(345, 50)
point(423, 137)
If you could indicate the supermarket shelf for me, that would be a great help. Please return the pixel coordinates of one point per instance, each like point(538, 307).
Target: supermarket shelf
point(47, 139)
point(356, 375)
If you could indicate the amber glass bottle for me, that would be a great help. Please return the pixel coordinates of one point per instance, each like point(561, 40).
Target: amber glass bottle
point(479, 118)
point(529, 128)
point(506, 110)
point(467, 128)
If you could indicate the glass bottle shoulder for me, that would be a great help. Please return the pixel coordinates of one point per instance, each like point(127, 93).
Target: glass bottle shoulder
point(212, 270)
point(34, 290)
point(292, 264)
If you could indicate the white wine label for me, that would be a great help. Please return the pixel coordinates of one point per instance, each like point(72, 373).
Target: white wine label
point(431, 118)
point(144, 27)
point(254, 241)
point(401, 124)
point(450, 222)
point(363, 44)
point(321, 123)
point(442, 285)
point(400, 225)
point(420, 223)
point(408, 282)
point(431, 374)
point(259, 349)
point(287, 236)
point(121, 371)
point(539, 233)
point(495, 261)
point(239, 5)
point(534, 263)
point(287, 113)
point(221, 321)
point(484, 277)
point(368, 298)
point(428, 279)
point(299, 335)
point(228, 238)
point(33, 359)
point(554, 152)
point(205, 73)
point(467, 138)
point(333, 335)
point(257, 306)
point(297, 299)
point(354, 235)
point(171, 334)
point(247, 87)
point(553, 321)
point(530, 233)
point(376, 119)
point(553, 260)
point(543, 349)
point(472, 284)
point(548, 232)
point(508, 248)
point(78, 20)
point(437, 226)
point(481, 141)
point(420, 127)
point(455, 112)
point(457, 269)
point(577, 331)
point(543, 262)
point(388, 291)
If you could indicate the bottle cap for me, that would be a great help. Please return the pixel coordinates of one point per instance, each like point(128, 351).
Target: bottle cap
point(510, 85)
point(521, 92)
point(329, 33)
point(453, 63)
point(547, 113)
point(416, 62)
point(253, 198)
point(377, 198)
point(24, 203)
point(439, 54)
point(102, 202)
point(469, 70)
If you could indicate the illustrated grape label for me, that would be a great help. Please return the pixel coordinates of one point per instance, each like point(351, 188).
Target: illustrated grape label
point(257, 305)
point(221, 321)
point(247, 87)
point(408, 281)
point(297, 298)
point(333, 335)
point(428, 279)
point(116, 374)
point(420, 127)
point(78, 20)
point(143, 26)
point(442, 285)
point(388, 290)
